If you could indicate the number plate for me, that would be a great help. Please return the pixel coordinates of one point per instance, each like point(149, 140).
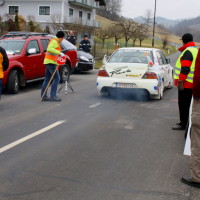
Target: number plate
point(125, 85)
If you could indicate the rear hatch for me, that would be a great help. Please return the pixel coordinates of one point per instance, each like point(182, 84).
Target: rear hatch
point(126, 70)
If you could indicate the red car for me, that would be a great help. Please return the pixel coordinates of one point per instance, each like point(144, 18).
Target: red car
point(26, 52)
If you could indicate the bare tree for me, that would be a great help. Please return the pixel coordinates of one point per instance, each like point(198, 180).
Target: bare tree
point(142, 33)
point(129, 28)
point(103, 34)
point(164, 35)
point(56, 22)
point(148, 18)
point(116, 32)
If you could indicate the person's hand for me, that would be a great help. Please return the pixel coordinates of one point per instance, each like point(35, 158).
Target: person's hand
point(180, 85)
point(62, 54)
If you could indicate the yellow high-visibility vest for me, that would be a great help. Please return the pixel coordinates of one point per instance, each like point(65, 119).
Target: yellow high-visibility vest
point(190, 76)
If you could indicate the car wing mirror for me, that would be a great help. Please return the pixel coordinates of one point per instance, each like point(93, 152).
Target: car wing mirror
point(105, 58)
point(32, 51)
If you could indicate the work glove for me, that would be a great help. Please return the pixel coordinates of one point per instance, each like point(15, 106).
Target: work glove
point(62, 54)
point(180, 85)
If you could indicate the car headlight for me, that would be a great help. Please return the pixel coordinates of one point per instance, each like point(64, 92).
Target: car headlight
point(84, 58)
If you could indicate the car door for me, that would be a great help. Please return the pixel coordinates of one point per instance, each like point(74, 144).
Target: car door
point(33, 61)
point(163, 65)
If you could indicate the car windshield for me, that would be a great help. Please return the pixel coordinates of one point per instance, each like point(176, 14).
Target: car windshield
point(131, 56)
point(12, 46)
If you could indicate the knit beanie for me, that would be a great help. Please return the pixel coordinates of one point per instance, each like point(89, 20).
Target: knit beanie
point(187, 37)
point(60, 34)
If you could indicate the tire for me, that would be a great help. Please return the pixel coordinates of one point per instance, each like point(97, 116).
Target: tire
point(161, 91)
point(64, 73)
point(13, 82)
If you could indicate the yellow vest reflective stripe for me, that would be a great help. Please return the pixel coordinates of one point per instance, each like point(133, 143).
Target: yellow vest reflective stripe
point(190, 76)
point(52, 56)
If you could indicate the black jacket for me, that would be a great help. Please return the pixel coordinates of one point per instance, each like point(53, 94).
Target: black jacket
point(85, 45)
point(5, 59)
point(72, 39)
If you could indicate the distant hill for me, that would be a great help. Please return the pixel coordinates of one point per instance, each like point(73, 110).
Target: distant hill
point(167, 23)
point(188, 25)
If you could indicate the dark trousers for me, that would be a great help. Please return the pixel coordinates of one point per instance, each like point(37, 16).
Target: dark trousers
point(184, 100)
point(50, 68)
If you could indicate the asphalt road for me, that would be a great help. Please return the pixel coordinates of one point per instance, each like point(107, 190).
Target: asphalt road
point(91, 148)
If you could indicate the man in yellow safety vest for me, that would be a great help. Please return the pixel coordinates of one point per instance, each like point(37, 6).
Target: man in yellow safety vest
point(183, 78)
point(53, 51)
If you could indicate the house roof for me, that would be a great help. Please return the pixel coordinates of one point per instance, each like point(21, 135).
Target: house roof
point(101, 2)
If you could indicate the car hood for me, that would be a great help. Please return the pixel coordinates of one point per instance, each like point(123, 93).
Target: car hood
point(82, 53)
point(12, 56)
point(126, 70)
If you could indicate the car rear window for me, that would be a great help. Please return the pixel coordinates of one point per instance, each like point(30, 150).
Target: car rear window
point(67, 45)
point(131, 56)
point(12, 46)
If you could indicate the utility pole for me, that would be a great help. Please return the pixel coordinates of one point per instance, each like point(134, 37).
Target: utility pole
point(154, 23)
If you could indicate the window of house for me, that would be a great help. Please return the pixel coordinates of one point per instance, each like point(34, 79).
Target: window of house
point(80, 14)
point(13, 10)
point(89, 16)
point(44, 10)
point(71, 12)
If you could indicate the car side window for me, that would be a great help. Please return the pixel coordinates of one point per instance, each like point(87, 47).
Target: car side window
point(160, 58)
point(45, 43)
point(33, 44)
point(164, 58)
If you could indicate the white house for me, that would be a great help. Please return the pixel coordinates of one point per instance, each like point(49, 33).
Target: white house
point(46, 12)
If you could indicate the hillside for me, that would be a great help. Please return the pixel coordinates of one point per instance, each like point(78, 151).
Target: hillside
point(158, 33)
point(167, 23)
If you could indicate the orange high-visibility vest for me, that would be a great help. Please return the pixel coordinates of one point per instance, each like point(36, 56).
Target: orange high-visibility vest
point(1, 65)
point(52, 56)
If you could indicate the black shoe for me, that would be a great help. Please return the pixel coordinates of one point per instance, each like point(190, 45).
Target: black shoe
point(178, 127)
point(55, 99)
point(46, 99)
point(189, 181)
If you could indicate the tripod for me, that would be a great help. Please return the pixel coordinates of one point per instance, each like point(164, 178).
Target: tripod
point(67, 85)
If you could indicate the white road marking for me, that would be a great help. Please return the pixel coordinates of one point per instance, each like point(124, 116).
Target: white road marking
point(95, 105)
point(28, 137)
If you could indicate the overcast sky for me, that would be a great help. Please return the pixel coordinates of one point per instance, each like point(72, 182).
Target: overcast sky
point(172, 9)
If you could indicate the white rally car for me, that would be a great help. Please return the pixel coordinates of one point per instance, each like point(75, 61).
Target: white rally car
point(136, 68)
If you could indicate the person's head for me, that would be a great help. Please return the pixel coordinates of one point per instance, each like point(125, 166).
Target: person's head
point(60, 35)
point(85, 37)
point(187, 37)
point(71, 33)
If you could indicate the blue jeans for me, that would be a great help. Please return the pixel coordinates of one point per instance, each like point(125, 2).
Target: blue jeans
point(0, 87)
point(50, 68)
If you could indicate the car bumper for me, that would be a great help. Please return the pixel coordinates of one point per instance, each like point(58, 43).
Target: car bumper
point(84, 66)
point(104, 84)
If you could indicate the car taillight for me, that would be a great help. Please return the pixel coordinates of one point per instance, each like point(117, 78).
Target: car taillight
point(150, 75)
point(103, 72)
